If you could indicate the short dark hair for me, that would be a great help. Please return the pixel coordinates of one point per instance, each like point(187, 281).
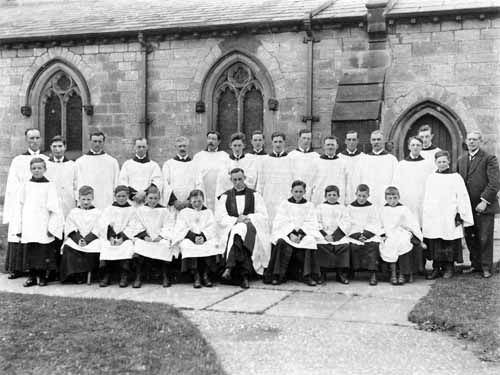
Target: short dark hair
point(330, 188)
point(214, 132)
point(258, 132)
point(38, 160)
point(97, 134)
point(238, 137)
point(299, 183)
point(85, 190)
point(278, 134)
point(363, 187)
point(442, 153)
point(57, 138)
point(332, 137)
point(392, 190)
point(30, 129)
point(304, 131)
point(196, 193)
point(424, 128)
point(414, 138)
point(121, 188)
point(236, 170)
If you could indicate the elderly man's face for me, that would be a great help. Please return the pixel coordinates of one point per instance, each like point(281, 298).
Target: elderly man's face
point(377, 142)
point(182, 148)
point(238, 180)
point(33, 139)
point(212, 142)
point(473, 141)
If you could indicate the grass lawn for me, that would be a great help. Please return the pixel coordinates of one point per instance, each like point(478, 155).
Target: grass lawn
point(467, 307)
point(54, 335)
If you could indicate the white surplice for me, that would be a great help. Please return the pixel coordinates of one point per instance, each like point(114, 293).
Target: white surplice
point(399, 224)
point(352, 182)
point(38, 214)
point(228, 228)
point(101, 173)
point(249, 166)
point(63, 174)
point(429, 153)
point(330, 218)
point(198, 222)
point(208, 165)
point(121, 220)
point(304, 168)
point(366, 217)
point(410, 178)
point(296, 216)
point(84, 221)
point(376, 171)
point(154, 221)
point(445, 196)
point(19, 173)
point(274, 181)
point(179, 177)
point(139, 175)
point(328, 171)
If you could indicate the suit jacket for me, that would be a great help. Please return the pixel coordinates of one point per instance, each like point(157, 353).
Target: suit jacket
point(482, 179)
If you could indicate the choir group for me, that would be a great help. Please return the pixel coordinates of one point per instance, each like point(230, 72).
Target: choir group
point(279, 215)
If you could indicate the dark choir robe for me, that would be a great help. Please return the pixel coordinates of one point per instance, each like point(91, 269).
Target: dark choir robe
point(333, 220)
point(300, 219)
point(364, 220)
point(247, 245)
point(81, 224)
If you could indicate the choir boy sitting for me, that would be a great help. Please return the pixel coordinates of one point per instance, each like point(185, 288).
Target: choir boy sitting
point(402, 245)
point(37, 221)
point(116, 232)
point(333, 245)
point(294, 232)
point(365, 229)
point(195, 234)
point(153, 225)
point(80, 252)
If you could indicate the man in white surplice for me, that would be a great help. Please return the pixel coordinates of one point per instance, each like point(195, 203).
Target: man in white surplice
point(351, 155)
point(243, 230)
point(208, 164)
point(19, 173)
point(428, 149)
point(140, 172)
point(179, 176)
point(304, 160)
point(376, 169)
point(98, 170)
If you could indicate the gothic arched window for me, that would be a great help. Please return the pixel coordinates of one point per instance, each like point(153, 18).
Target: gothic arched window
point(238, 103)
point(61, 111)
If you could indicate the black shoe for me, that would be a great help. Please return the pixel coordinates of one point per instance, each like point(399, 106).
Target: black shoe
point(166, 281)
point(373, 279)
point(14, 275)
point(401, 279)
point(244, 283)
point(123, 281)
point(341, 278)
point(275, 280)
point(434, 274)
point(137, 283)
point(448, 272)
point(309, 281)
point(31, 281)
point(486, 274)
point(42, 281)
point(104, 281)
point(197, 281)
point(470, 270)
point(206, 280)
point(410, 278)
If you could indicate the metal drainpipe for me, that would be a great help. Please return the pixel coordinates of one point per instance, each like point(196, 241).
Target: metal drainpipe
point(309, 39)
point(147, 49)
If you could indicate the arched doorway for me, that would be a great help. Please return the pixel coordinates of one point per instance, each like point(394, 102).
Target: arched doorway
point(449, 131)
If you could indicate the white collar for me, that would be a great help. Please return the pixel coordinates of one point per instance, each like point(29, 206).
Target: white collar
point(302, 150)
point(351, 152)
point(472, 154)
point(33, 152)
point(378, 152)
point(138, 157)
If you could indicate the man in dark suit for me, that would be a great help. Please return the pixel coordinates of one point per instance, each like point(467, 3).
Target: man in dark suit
point(482, 178)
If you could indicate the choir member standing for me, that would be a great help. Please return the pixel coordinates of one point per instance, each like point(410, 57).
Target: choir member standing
point(480, 173)
point(402, 240)
point(351, 156)
point(237, 159)
point(37, 220)
point(257, 143)
point(446, 211)
point(154, 226)
point(19, 173)
point(62, 172)
point(376, 169)
point(80, 253)
point(98, 170)
point(428, 149)
point(274, 174)
point(304, 160)
point(208, 163)
point(243, 230)
point(179, 175)
point(294, 233)
point(333, 245)
point(364, 233)
point(329, 170)
point(410, 176)
point(140, 173)
point(116, 231)
point(196, 235)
